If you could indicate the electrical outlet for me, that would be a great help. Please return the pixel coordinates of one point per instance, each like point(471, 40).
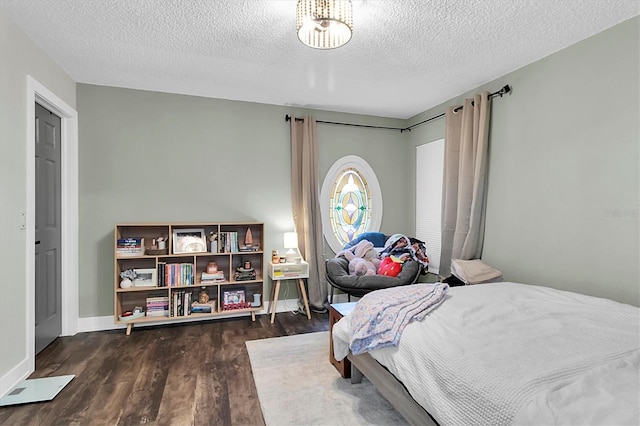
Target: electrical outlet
point(23, 220)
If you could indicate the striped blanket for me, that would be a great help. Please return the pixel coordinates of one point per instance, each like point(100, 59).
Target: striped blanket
point(379, 318)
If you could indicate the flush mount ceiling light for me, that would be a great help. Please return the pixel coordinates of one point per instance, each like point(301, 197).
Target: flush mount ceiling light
point(324, 24)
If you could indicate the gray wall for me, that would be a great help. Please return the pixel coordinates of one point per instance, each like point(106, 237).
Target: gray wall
point(563, 191)
point(155, 157)
point(19, 57)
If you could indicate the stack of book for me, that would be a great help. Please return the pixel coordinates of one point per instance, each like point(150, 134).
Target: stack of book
point(158, 306)
point(210, 278)
point(130, 247)
point(203, 308)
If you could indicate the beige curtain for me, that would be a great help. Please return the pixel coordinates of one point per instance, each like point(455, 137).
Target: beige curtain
point(464, 183)
point(305, 201)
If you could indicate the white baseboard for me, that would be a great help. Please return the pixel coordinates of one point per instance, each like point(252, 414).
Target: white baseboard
point(14, 376)
point(106, 322)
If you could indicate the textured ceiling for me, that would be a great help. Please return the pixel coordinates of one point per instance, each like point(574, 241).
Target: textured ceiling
point(405, 56)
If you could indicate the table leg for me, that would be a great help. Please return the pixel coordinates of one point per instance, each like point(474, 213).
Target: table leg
point(303, 291)
point(273, 292)
point(275, 301)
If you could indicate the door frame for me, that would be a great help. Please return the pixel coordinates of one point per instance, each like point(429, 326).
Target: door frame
point(36, 92)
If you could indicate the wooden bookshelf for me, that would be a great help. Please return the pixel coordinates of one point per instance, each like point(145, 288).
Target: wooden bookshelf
point(171, 276)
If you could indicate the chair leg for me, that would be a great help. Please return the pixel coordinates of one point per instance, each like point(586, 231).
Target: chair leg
point(348, 297)
point(331, 295)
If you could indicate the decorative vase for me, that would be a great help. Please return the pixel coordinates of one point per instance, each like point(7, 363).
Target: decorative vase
point(126, 283)
point(203, 296)
point(256, 300)
point(212, 268)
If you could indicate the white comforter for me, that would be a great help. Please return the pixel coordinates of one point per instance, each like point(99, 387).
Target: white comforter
point(507, 353)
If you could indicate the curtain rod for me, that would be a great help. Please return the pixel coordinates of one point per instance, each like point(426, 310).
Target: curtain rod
point(505, 89)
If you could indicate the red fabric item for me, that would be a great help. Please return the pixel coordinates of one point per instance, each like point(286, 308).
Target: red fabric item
point(389, 268)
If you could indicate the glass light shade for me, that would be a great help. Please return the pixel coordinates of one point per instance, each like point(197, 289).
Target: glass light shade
point(291, 243)
point(290, 240)
point(324, 24)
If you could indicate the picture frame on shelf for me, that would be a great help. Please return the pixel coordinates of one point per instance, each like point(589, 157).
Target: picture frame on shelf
point(190, 240)
point(147, 277)
point(233, 298)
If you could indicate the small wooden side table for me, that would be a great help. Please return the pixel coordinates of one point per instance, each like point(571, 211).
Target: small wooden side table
point(287, 271)
point(337, 311)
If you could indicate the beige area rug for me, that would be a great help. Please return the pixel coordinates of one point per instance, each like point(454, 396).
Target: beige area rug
point(298, 386)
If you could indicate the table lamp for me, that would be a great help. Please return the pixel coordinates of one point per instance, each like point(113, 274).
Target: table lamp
point(291, 243)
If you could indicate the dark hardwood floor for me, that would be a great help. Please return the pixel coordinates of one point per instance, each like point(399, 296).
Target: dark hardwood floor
point(183, 374)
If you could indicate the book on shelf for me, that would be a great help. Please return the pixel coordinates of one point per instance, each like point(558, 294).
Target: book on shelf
point(178, 274)
point(228, 242)
point(157, 306)
point(130, 242)
point(161, 275)
point(209, 278)
point(203, 308)
point(130, 247)
point(159, 313)
point(181, 304)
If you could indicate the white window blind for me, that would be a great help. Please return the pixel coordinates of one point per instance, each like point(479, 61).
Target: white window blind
point(429, 170)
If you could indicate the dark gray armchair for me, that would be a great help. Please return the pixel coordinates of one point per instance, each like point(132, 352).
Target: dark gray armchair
point(359, 285)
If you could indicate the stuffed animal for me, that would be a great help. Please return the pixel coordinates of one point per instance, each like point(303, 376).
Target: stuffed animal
point(360, 266)
point(363, 258)
point(390, 266)
point(372, 256)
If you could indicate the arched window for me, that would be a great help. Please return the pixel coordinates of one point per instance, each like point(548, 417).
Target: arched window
point(351, 201)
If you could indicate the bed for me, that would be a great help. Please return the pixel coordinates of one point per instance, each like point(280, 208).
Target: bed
point(509, 353)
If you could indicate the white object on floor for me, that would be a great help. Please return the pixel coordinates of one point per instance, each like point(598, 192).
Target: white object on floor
point(36, 390)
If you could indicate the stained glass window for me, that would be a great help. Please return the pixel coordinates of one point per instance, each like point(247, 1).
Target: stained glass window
point(350, 205)
point(350, 200)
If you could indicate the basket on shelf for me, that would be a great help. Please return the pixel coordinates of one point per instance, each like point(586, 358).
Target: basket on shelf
point(156, 252)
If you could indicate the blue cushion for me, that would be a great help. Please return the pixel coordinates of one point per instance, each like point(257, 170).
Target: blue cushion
point(377, 238)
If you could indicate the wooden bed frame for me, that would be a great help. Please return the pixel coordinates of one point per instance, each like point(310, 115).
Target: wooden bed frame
point(390, 387)
point(357, 366)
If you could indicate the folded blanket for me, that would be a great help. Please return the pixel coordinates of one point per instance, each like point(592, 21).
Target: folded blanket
point(379, 318)
point(474, 271)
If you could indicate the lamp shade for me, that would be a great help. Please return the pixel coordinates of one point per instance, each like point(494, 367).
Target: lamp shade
point(290, 240)
point(324, 24)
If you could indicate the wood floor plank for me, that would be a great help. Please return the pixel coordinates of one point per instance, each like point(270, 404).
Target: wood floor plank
point(178, 405)
point(211, 395)
point(187, 374)
point(107, 404)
